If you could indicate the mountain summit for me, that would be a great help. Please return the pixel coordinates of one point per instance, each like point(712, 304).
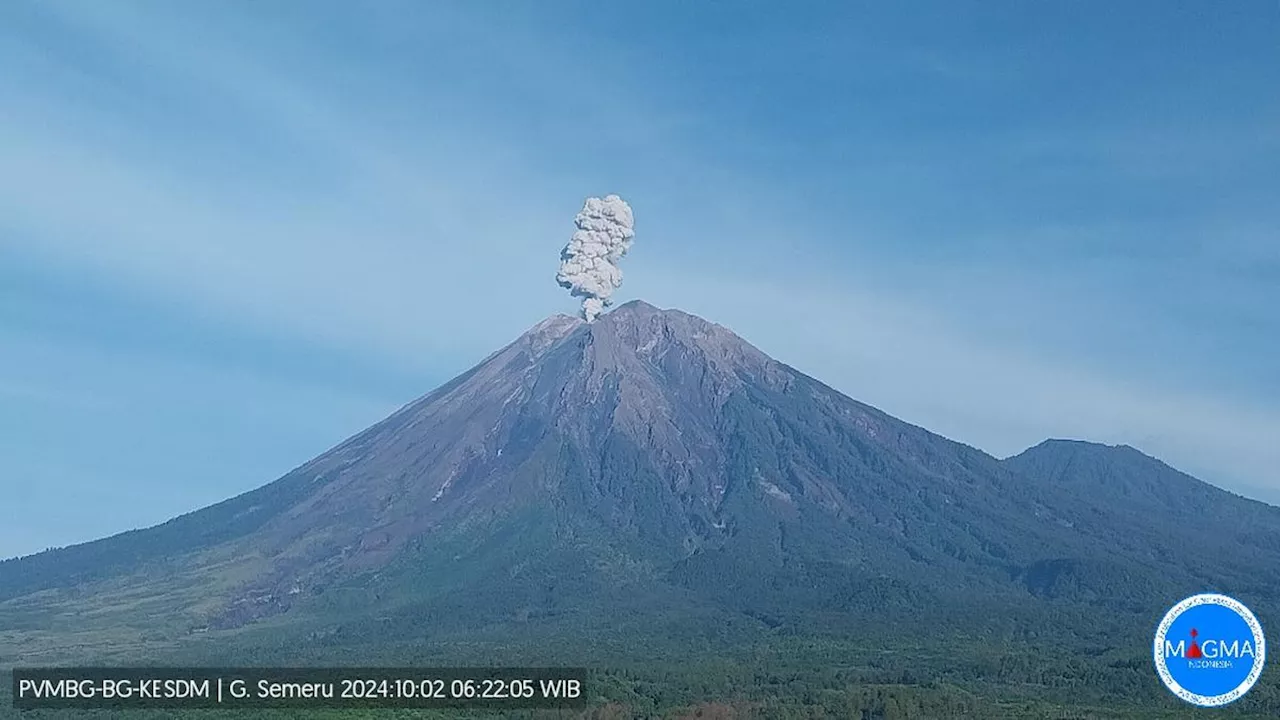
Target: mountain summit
point(653, 460)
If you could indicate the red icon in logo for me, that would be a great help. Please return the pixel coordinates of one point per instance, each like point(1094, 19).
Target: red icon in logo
point(1193, 652)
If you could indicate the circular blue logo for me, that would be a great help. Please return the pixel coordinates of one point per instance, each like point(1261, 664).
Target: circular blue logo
point(1209, 650)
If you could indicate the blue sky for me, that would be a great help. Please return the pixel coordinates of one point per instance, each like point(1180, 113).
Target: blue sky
point(232, 234)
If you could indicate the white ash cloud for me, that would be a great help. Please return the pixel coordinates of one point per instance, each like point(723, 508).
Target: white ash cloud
point(589, 263)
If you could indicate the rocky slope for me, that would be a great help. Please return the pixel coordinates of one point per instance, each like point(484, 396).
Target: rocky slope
point(657, 461)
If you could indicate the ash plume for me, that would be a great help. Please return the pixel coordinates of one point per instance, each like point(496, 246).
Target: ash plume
point(589, 263)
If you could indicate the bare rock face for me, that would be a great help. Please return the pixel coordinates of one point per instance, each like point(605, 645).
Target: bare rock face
point(654, 381)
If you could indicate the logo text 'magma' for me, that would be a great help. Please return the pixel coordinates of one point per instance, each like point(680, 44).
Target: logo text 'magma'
point(1212, 649)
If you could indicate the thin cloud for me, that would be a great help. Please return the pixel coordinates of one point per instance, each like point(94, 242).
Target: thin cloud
point(372, 262)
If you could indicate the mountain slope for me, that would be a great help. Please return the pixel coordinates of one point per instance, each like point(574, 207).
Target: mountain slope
point(1186, 529)
point(655, 463)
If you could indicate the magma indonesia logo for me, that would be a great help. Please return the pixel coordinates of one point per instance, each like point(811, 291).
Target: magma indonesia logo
point(1209, 650)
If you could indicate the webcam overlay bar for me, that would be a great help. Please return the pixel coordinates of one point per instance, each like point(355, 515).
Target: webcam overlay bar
point(266, 688)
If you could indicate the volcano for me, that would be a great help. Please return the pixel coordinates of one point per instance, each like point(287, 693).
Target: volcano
point(654, 464)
